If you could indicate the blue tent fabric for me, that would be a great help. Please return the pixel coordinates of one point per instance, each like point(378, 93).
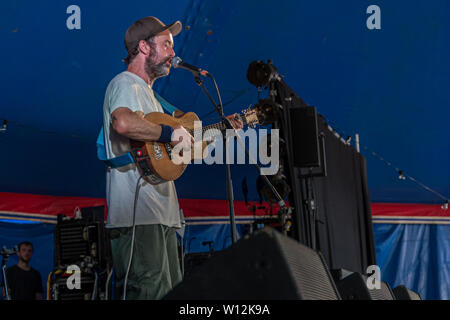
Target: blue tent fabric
point(415, 255)
point(41, 235)
point(388, 85)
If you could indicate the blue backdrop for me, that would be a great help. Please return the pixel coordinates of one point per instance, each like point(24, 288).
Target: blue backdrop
point(415, 255)
point(388, 85)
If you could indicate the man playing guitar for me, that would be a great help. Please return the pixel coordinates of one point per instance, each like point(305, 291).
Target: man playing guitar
point(154, 267)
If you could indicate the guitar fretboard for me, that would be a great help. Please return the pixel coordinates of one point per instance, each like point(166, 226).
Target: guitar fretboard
point(208, 132)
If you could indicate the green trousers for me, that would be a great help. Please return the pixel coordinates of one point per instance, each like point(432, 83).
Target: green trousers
point(155, 267)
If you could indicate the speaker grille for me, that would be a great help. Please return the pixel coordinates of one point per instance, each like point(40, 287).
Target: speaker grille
point(354, 287)
point(403, 293)
point(308, 269)
point(384, 293)
point(265, 266)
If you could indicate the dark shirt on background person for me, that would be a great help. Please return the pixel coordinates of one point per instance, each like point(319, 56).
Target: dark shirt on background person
point(24, 282)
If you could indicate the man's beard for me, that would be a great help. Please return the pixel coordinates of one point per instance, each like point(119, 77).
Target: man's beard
point(154, 70)
point(26, 260)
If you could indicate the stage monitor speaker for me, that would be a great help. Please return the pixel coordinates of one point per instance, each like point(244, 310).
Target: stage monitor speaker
point(305, 137)
point(403, 293)
point(354, 287)
point(264, 266)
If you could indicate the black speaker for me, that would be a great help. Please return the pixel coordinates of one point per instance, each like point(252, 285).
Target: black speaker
point(403, 293)
point(264, 266)
point(77, 239)
point(305, 137)
point(193, 260)
point(354, 287)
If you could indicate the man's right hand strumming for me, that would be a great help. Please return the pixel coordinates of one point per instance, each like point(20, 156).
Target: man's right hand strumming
point(181, 135)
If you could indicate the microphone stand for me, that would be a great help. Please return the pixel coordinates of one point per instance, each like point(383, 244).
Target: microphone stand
point(284, 210)
point(4, 280)
point(227, 125)
point(5, 253)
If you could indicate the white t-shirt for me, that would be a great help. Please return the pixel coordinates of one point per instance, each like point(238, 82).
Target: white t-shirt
point(157, 204)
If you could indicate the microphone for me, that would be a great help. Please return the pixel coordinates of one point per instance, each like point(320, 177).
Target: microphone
point(178, 63)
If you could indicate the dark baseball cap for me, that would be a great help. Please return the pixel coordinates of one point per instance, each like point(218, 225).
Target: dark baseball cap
point(146, 28)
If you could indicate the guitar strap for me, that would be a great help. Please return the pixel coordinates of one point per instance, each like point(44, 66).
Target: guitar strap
point(126, 158)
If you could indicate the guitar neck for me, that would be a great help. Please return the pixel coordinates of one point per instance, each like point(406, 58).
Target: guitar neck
point(248, 118)
point(209, 134)
point(219, 126)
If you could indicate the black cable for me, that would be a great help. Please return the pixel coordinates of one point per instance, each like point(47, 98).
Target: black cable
point(226, 103)
point(132, 238)
point(217, 92)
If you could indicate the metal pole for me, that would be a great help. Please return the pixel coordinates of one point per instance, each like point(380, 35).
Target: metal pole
point(5, 281)
point(357, 142)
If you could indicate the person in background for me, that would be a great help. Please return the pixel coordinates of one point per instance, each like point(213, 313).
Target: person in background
point(24, 282)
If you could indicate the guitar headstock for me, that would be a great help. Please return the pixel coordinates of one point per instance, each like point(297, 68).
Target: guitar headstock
point(249, 117)
point(265, 112)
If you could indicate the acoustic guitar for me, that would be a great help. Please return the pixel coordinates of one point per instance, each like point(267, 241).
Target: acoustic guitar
point(154, 159)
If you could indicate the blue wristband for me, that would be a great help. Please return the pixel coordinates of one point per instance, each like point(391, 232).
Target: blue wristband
point(166, 134)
